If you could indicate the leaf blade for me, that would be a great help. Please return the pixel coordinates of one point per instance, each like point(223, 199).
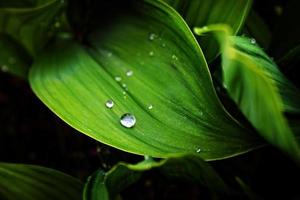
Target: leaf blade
point(30, 182)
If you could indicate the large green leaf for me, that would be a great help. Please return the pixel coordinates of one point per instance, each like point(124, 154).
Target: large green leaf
point(198, 13)
point(105, 186)
point(30, 26)
point(28, 182)
point(253, 82)
point(169, 73)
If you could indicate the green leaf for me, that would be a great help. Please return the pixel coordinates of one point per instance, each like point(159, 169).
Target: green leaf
point(251, 80)
point(289, 93)
point(169, 73)
point(105, 186)
point(198, 13)
point(29, 182)
point(30, 26)
point(13, 57)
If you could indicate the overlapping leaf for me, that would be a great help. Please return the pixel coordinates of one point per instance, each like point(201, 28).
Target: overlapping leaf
point(28, 182)
point(290, 95)
point(30, 26)
point(105, 186)
point(254, 83)
point(198, 13)
point(169, 73)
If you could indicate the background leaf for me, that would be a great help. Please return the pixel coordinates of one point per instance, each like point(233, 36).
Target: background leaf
point(198, 13)
point(108, 185)
point(28, 182)
point(13, 57)
point(30, 26)
point(169, 75)
point(249, 79)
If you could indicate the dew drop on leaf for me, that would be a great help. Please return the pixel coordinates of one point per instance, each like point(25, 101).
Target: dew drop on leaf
point(152, 36)
point(198, 150)
point(128, 120)
point(109, 104)
point(109, 54)
point(118, 78)
point(129, 73)
point(150, 107)
point(252, 41)
point(151, 53)
point(174, 57)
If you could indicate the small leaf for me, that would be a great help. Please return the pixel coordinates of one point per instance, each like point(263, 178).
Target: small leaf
point(249, 78)
point(200, 13)
point(169, 91)
point(30, 26)
point(28, 182)
point(105, 186)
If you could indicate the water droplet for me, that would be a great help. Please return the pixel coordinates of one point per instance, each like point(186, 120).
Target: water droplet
point(151, 53)
point(252, 41)
point(204, 28)
point(198, 150)
point(152, 36)
point(109, 104)
point(129, 73)
point(150, 107)
point(4, 68)
point(128, 120)
point(118, 78)
point(163, 45)
point(174, 57)
point(109, 54)
point(124, 92)
point(124, 85)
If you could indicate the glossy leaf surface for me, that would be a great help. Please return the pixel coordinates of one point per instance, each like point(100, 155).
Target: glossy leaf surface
point(170, 91)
